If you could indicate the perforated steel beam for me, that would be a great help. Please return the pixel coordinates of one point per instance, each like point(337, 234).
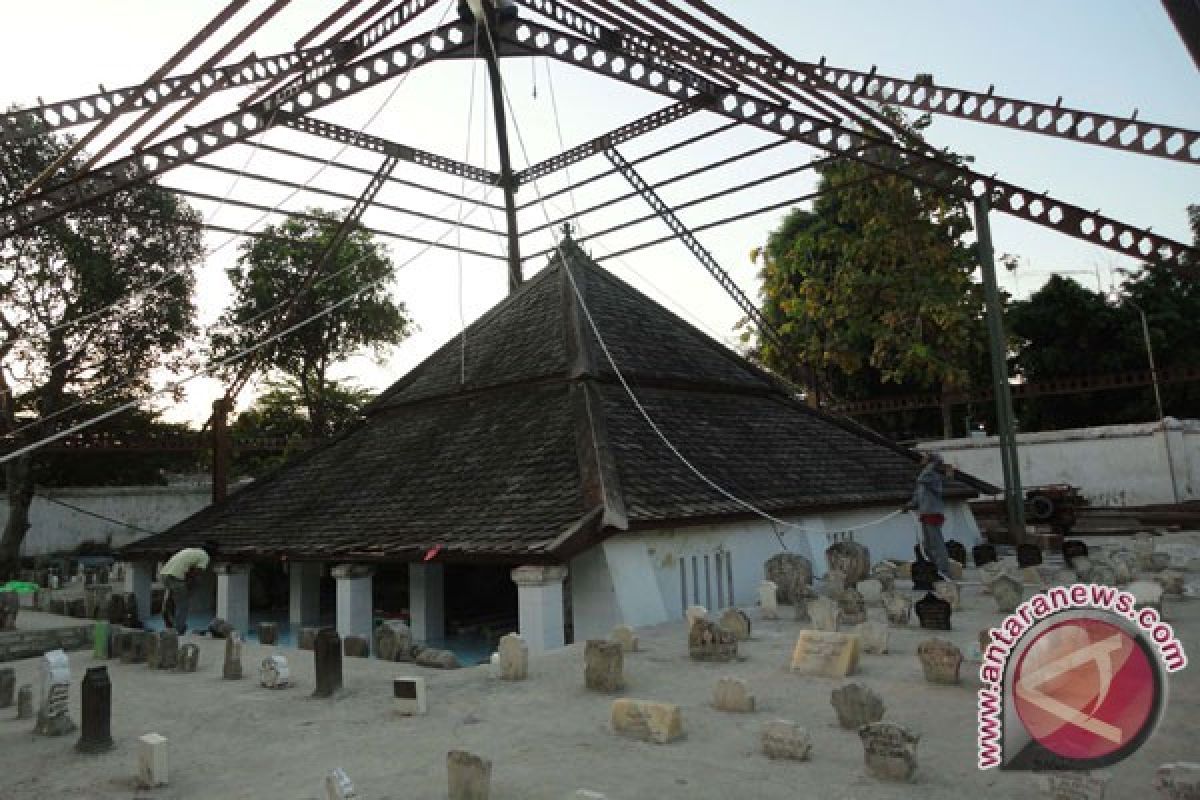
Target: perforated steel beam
point(632, 130)
point(376, 144)
point(701, 253)
point(25, 123)
point(838, 139)
point(234, 127)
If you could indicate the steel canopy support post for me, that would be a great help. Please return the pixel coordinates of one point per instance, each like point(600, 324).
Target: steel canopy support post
point(1014, 497)
point(507, 180)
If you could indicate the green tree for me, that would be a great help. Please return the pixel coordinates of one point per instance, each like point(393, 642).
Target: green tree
point(132, 251)
point(872, 287)
point(280, 413)
point(270, 270)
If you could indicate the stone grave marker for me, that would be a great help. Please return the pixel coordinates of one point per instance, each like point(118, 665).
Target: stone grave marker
point(832, 655)
point(940, 661)
point(96, 717)
point(924, 575)
point(1123, 566)
point(409, 697)
point(647, 721)
point(768, 599)
point(1143, 549)
point(10, 604)
point(852, 606)
point(189, 657)
point(338, 786)
point(1159, 562)
point(393, 641)
point(800, 610)
point(1008, 593)
point(956, 570)
point(956, 551)
point(327, 656)
point(898, 608)
point(949, 591)
point(871, 590)
point(852, 559)
point(873, 636)
point(8, 685)
point(782, 738)
point(1147, 593)
point(624, 636)
point(137, 645)
point(983, 554)
point(1072, 549)
point(1028, 555)
point(307, 640)
point(356, 647)
point(232, 670)
point(274, 673)
point(708, 641)
point(933, 612)
point(693, 614)
point(732, 694)
point(219, 628)
point(833, 583)
point(885, 573)
point(736, 622)
point(268, 633)
point(25, 702)
point(55, 673)
point(1104, 574)
point(889, 750)
point(1072, 785)
point(514, 658)
point(152, 761)
point(856, 705)
point(1178, 781)
point(789, 572)
point(1171, 581)
point(437, 659)
point(904, 570)
point(824, 613)
point(604, 664)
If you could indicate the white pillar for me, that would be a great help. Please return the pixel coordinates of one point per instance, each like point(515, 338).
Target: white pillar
point(139, 579)
point(233, 595)
point(540, 606)
point(427, 602)
point(304, 594)
point(354, 605)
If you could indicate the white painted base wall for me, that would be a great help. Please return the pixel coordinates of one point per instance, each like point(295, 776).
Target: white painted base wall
point(634, 578)
point(56, 528)
point(1113, 465)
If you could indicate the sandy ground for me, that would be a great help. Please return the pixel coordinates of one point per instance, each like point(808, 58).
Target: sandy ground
point(549, 735)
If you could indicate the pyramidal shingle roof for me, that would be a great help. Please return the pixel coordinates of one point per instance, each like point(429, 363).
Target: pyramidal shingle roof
point(528, 448)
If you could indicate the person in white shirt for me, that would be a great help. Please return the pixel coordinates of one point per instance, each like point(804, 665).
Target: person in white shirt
point(178, 575)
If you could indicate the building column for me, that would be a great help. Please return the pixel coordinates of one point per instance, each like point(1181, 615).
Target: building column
point(304, 594)
point(355, 608)
point(427, 602)
point(540, 606)
point(139, 579)
point(233, 595)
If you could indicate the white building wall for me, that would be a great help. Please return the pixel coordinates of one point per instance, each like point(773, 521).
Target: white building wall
point(1113, 465)
point(56, 528)
point(634, 578)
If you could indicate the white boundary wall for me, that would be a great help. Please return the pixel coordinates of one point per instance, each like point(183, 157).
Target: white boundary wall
point(1114, 465)
point(56, 528)
point(634, 578)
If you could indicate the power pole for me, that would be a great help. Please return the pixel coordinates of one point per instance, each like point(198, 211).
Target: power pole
point(222, 448)
point(1014, 497)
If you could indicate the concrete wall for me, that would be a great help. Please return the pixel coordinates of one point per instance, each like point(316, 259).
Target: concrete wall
point(56, 528)
point(1114, 465)
point(649, 577)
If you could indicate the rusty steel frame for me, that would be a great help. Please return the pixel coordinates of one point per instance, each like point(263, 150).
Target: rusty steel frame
point(234, 127)
point(841, 140)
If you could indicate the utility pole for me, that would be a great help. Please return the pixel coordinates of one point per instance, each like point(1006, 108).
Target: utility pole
point(222, 448)
point(1014, 497)
point(487, 28)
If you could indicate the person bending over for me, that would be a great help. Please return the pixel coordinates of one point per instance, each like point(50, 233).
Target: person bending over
point(179, 575)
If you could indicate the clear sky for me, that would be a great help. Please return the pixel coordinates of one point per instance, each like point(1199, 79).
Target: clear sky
point(1108, 56)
